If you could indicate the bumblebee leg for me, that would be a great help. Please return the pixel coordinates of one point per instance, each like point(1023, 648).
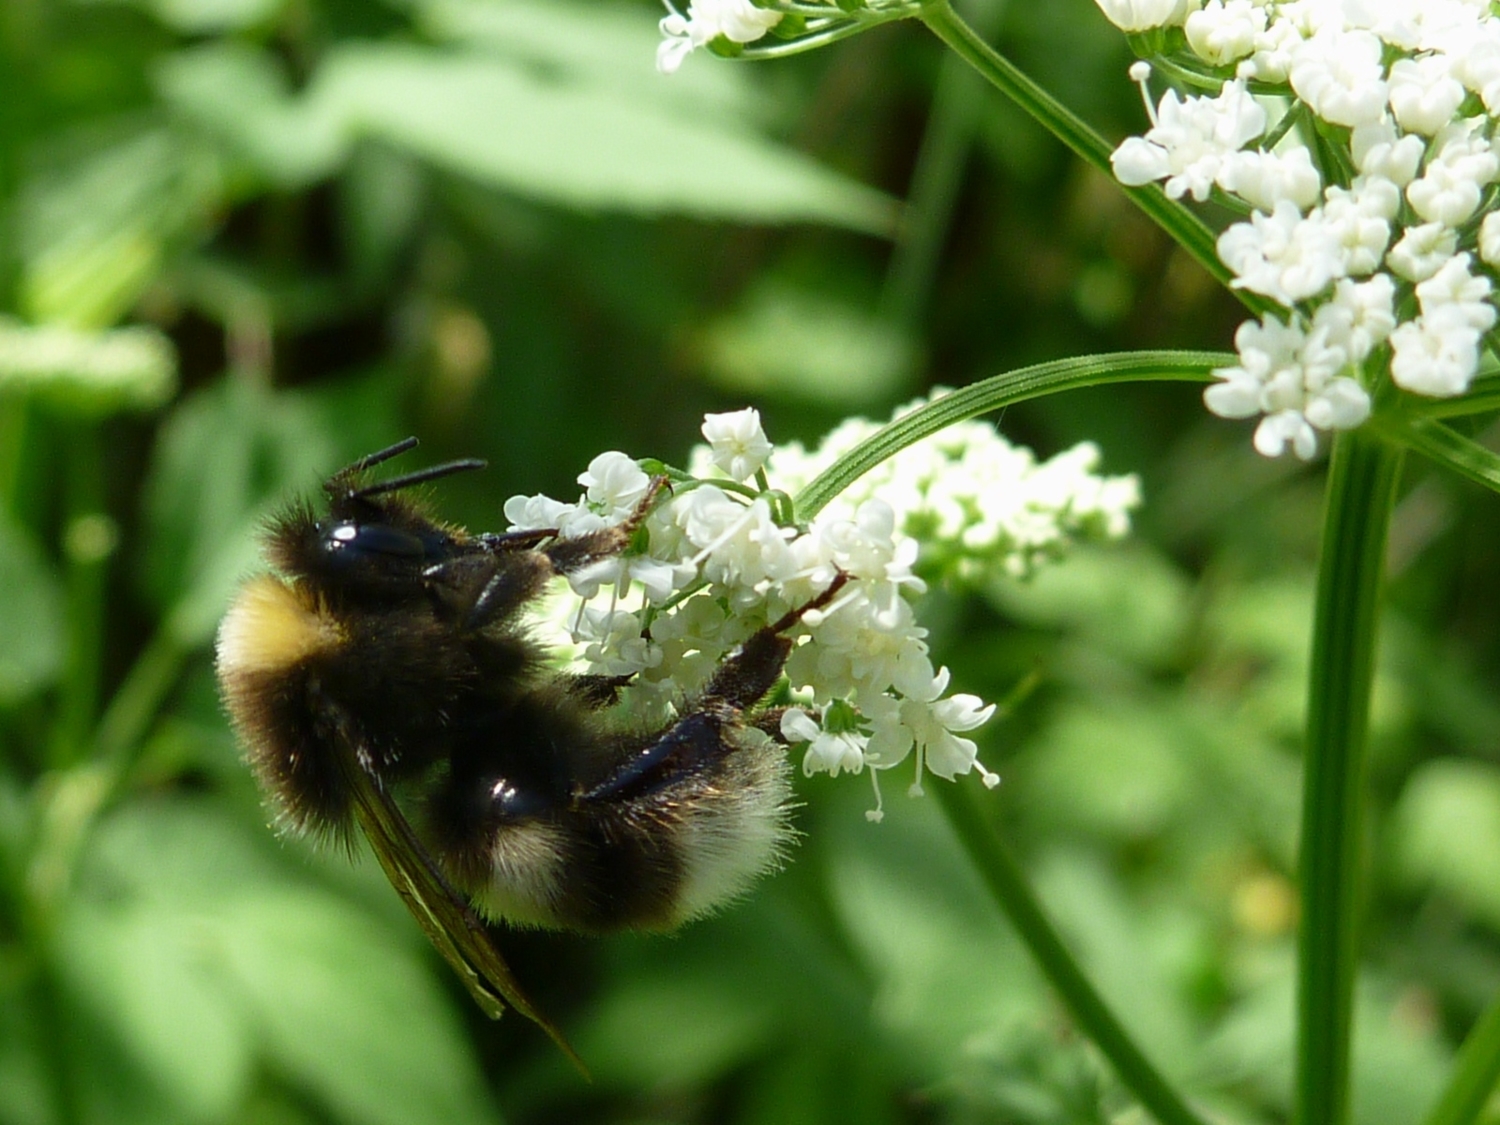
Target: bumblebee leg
point(568, 555)
point(695, 739)
point(597, 691)
point(745, 677)
point(739, 684)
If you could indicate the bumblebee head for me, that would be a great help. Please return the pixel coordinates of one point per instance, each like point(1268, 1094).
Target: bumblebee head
point(371, 542)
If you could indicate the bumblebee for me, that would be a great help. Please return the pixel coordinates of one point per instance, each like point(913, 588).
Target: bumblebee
point(382, 677)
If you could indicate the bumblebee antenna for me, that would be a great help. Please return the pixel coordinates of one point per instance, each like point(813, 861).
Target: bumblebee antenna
point(385, 454)
point(421, 476)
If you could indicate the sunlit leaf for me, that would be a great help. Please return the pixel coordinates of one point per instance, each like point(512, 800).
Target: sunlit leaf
point(1447, 832)
point(96, 230)
point(581, 146)
point(241, 96)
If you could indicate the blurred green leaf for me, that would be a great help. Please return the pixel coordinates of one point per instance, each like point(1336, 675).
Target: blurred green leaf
point(1446, 832)
point(608, 44)
point(97, 228)
point(1398, 1064)
point(31, 607)
point(578, 145)
point(94, 373)
point(241, 96)
point(946, 966)
point(807, 345)
point(191, 946)
point(327, 989)
point(206, 17)
point(1111, 767)
point(1140, 958)
point(1127, 601)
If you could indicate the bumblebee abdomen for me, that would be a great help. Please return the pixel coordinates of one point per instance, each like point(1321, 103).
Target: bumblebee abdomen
point(680, 847)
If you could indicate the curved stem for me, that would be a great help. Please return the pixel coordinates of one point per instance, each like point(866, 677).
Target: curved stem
point(1015, 897)
point(1000, 391)
point(1182, 225)
point(1361, 493)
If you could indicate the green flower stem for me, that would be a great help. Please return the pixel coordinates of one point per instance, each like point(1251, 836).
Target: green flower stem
point(1474, 1075)
point(1361, 492)
point(946, 143)
point(1182, 225)
point(1443, 445)
point(1008, 885)
point(999, 391)
point(85, 573)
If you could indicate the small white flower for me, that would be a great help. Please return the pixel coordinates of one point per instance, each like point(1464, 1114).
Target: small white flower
point(1355, 220)
point(536, 513)
point(1381, 152)
point(1451, 186)
point(1288, 427)
point(1295, 379)
point(1263, 179)
point(1189, 140)
point(739, 21)
point(1476, 61)
point(1454, 287)
point(1223, 31)
point(1422, 251)
point(1489, 239)
point(935, 725)
point(1282, 255)
point(1338, 74)
point(1142, 15)
point(739, 445)
point(1424, 94)
point(1360, 315)
point(614, 485)
point(827, 752)
point(1435, 354)
point(1272, 59)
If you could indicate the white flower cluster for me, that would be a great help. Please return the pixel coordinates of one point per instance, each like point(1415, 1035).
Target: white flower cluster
point(718, 565)
point(738, 21)
point(1361, 136)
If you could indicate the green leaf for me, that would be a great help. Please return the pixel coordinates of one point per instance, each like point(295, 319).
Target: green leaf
point(241, 96)
point(94, 231)
point(943, 962)
point(350, 1015)
point(1126, 601)
point(191, 947)
point(606, 44)
point(1447, 832)
point(809, 345)
point(581, 146)
point(207, 17)
point(31, 607)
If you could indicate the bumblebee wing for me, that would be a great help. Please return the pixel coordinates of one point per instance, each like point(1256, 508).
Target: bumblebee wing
point(445, 917)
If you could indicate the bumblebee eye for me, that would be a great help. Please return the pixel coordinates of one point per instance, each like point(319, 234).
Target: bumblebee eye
point(370, 541)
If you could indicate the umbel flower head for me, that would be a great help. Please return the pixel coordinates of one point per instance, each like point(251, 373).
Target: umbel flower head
point(719, 561)
point(1359, 140)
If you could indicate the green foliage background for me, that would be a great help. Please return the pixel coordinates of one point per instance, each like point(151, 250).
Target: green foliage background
point(489, 222)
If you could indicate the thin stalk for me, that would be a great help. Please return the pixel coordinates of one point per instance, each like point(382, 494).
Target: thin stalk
point(1000, 391)
point(935, 183)
point(1474, 1075)
point(1443, 446)
point(1361, 492)
point(84, 575)
point(1189, 232)
point(1013, 894)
